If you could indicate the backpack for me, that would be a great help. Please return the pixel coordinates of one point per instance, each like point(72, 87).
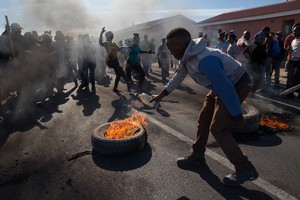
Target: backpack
point(275, 48)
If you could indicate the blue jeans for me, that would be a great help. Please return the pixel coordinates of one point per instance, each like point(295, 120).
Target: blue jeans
point(276, 68)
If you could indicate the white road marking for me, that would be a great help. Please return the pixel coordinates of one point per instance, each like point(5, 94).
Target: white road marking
point(282, 103)
point(272, 189)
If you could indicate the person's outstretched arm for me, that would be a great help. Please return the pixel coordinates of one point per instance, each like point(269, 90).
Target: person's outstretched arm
point(100, 37)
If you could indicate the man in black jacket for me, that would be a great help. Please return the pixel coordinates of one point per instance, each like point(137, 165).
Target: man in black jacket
point(256, 55)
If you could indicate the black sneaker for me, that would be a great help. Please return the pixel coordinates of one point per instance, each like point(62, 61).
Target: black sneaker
point(239, 177)
point(192, 160)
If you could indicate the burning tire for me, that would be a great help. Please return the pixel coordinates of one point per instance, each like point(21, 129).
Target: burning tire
point(114, 147)
point(252, 117)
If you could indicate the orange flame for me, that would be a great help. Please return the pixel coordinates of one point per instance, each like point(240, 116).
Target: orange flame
point(273, 123)
point(125, 128)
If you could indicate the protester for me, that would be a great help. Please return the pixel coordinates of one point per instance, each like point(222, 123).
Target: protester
point(18, 40)
point(112, 58)
point(200, 34)
point(293, 63)
point(255, 55)
point(46, 66)
point(153, 57)
point(242, 43)
point(79, 47)
point(88, 63)
point(232, 47)
point(277, 57)
point(59, 46)
point(133, 60)
point(164, 59)
point(229, 85)
point(5, 68)
point(268, 62)
point(288, 40)
point(174, 62)
point(222, 43)
point(122, 54)
point(146, 58)
point(207, 40)
point(71, 60)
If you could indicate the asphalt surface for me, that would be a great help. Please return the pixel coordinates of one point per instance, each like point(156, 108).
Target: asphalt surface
point(36, 142)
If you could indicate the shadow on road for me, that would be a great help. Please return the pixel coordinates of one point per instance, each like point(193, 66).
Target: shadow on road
point(123, 163)
point(259, 141)
point(104, 80)
point(88, 99)
point(20, 115)
point(227, 192)
point(121, 109)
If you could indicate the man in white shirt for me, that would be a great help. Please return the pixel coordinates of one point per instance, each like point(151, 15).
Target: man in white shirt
point(232, 47)
point(293, 65)
point(242, 43)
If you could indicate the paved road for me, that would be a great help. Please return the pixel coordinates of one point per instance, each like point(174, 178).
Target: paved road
point(34, 149)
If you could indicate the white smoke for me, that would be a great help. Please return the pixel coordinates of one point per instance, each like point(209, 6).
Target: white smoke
point(76, 17)
point(64, 15)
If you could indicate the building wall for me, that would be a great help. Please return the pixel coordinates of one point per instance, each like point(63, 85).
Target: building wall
point(276, 24)
point(157, 30)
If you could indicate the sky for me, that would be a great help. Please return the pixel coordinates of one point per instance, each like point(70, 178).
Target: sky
point(90, 16)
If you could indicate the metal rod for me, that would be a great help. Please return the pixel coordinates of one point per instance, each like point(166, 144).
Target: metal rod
point(290, 90)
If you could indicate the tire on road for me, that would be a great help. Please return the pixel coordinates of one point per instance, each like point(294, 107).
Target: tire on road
point(252, 117)
point(116, 147)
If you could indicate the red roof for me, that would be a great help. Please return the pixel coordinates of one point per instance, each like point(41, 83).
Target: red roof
point(263, 10)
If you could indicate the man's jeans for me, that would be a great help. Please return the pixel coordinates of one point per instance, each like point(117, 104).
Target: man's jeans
point(215, 118)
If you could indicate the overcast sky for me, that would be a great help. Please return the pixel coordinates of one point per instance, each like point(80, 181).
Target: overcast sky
point(91, 15)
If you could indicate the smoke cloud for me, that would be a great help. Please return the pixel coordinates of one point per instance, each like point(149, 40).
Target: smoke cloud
point(72, 18)
point(58, 15)
point(90, 16)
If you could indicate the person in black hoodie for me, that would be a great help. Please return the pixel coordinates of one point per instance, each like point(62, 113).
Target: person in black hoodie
point(255, 55)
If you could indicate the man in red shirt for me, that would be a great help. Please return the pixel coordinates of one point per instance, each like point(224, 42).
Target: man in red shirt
point(293, 63)
point(288, 40)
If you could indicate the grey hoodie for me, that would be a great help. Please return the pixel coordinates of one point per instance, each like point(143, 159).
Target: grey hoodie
point(212, 69)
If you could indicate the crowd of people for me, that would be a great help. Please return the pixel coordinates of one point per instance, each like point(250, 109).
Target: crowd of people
point(44, 63)
point(60, 58)
point(49, 62)
point(264, 55)
point(40, 65)
point(35, 67)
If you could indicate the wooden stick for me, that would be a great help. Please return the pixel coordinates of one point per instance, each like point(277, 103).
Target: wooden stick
point(9, 37)
point(7, 27)
point(77, 155)
point(290, 90)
